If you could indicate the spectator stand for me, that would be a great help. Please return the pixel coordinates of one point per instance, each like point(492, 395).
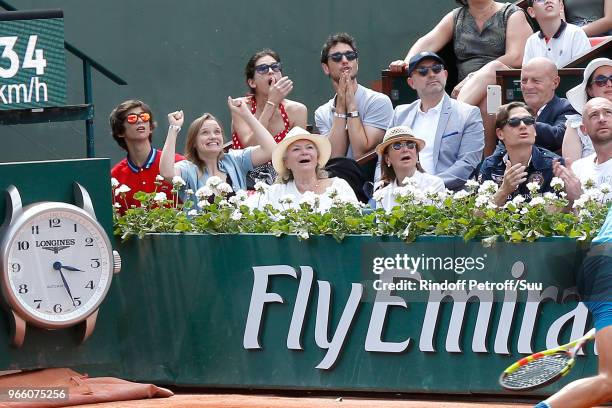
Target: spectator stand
point(33, 72)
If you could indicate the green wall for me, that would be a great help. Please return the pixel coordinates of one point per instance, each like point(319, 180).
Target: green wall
point(191, 54)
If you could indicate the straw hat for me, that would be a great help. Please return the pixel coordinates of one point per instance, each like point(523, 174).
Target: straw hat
point(295, 134)
point(577, 96)
point(399, 134)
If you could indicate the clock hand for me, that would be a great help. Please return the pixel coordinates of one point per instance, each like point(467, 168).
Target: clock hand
point(71, 268)
point(58, 267)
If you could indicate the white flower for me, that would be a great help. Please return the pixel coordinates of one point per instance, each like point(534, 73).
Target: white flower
point(308, 198)
point(594, 194)
point(192, 213)
point(178, 181)
point(550, 196)
point(491, 205)
point(224, 188)
point(114, 182)
point(242, 195)
point(224, 203)
point(159, 197)
point(442, 195)
point(562, 194)
point(518, 200)
point(203, 203)
point(236, 215)
point(557, 182)
point(524, 210)
point(587, 182)
point(536, 201)
point(584, 213)
point(117, 205)
point(122, 189)
point(204, 192)
point(472, 184)
point(261, 187)
point(378, 195)
point(581, 201)
point(402, 191)
point(409, 181)
point(303, 234)
point(461, 194)
point(213, 181)
point(488, 186)
point(605, 188)
point(482, 200)
point(345, 199)
point(189, 192)
point(159, 178)
point(533, 187)
point(234, 200)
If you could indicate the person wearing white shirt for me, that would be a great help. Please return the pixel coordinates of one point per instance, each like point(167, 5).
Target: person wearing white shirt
point(299, 160)
point(597, 123)
point(400, 164)
point(557, 40)
point(452, 130)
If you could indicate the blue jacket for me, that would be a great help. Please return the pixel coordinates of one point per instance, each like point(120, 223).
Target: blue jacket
point(459, 141)
point(550, 124)
point(539, 170)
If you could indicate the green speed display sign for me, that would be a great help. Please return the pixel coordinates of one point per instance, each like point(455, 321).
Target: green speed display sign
point(32, 61)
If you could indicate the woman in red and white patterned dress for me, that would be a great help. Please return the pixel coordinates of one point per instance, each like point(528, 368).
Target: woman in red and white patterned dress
point(267, 100)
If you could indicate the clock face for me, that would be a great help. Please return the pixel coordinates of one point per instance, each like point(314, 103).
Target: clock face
point(58, 265)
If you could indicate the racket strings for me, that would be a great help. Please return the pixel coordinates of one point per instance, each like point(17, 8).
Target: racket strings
point(537, 371)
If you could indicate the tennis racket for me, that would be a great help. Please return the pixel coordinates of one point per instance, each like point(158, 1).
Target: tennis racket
point(543, 368)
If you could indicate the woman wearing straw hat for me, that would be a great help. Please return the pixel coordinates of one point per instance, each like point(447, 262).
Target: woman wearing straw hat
point(399, 152)
point(299, 160)
point(596, 82)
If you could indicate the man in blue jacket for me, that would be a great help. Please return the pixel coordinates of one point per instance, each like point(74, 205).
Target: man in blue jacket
point(452, 130)
point(539, 80)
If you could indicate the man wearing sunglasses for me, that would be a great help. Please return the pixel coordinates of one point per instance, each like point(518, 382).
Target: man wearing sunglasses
point(452, 130)
point(132, 128)
point(521, 162)
point(356, 118)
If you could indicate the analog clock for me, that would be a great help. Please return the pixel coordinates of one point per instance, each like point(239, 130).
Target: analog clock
point(57, 263)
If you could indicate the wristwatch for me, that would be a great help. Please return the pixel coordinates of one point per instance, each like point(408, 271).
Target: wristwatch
point(353, 114)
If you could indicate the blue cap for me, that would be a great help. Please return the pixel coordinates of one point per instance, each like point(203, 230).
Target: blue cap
point(416, 60)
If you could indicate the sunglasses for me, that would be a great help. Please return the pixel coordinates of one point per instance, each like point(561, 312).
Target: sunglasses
point(337, 56)
point(601, 80)
point(265, 68)
point(399, 145)
point(516, 121)
point(133, 117)
point(436, 68)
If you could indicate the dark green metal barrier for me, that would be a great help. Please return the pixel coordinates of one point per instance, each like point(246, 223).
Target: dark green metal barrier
point(184, 310)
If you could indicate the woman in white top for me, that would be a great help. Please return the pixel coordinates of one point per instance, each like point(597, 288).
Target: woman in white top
point(596, 82)
point(399, 153)
point(299, 160)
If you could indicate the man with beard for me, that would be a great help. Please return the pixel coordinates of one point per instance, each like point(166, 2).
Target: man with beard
point(356, 118)
point(597, 124)
point(452, 130)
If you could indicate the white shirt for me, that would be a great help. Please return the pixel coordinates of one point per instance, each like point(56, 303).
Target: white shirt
point(279, 191)
point(425, 126)
point(568, 43)
point(587, 168)
point(423, 181)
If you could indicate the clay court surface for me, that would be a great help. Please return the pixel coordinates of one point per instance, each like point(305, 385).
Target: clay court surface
point(269, 401)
